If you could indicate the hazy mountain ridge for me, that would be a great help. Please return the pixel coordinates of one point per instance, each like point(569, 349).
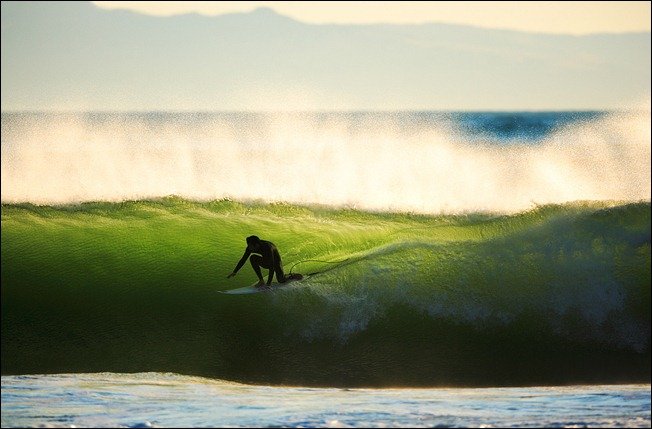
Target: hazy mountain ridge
point(76, 55)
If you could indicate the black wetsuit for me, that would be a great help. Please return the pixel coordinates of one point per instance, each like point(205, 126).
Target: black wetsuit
point(266, 256)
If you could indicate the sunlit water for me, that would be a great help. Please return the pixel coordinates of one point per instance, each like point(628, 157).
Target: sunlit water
point(169, 400)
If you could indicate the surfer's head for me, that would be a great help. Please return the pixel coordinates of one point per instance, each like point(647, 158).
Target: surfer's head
point(253, 241)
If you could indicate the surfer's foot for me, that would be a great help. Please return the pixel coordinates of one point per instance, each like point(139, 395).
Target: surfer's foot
point(261, 283)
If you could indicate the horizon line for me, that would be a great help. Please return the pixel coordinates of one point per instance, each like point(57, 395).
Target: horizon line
point(304, 111)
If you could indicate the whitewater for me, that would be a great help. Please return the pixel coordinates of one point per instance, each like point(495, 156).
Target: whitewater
point(423, 162)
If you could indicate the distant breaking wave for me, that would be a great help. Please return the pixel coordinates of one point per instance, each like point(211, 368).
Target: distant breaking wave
point(419, 162)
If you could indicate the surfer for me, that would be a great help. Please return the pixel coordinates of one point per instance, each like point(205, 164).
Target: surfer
point(265, 254)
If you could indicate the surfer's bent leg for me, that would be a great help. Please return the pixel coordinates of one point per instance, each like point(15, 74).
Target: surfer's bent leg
point(278, 268)
point(280, 276)
point(256, 263)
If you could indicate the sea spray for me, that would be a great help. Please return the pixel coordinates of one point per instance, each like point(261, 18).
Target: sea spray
point(419, 162)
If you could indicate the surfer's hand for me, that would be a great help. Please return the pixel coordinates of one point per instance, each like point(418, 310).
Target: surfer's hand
point(230, 275)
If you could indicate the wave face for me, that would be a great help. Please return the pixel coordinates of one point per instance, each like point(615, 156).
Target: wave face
point(557, 294)
point(429, 163)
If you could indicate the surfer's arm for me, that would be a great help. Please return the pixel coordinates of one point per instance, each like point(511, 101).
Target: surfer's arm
point(242, 260)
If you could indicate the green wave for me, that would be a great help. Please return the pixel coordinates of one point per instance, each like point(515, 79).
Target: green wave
point(557, 294)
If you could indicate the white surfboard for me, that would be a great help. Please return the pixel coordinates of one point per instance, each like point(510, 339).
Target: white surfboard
point(254, 289)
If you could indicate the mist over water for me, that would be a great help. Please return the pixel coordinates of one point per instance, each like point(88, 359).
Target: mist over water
point(419, 162)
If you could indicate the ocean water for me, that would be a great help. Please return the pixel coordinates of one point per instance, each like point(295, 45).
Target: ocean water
point(484, 252)
point(169, 400)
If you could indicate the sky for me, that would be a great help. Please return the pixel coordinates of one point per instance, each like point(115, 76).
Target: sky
point(555, 17)
point(293, 56)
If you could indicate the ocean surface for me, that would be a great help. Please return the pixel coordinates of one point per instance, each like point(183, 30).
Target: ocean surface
point(460, 257)
point(169, 400)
